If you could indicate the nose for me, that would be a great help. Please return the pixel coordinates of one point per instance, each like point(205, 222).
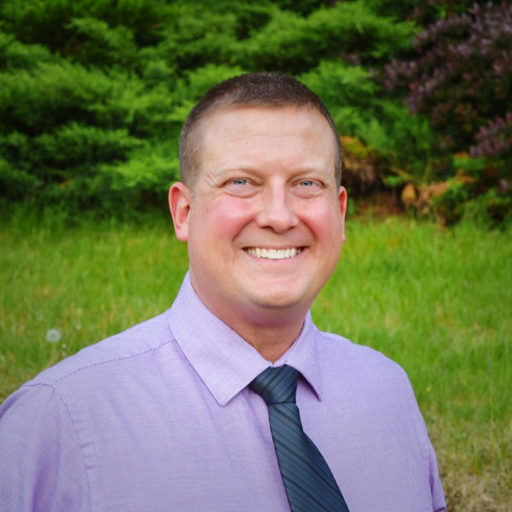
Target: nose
point(276, 210)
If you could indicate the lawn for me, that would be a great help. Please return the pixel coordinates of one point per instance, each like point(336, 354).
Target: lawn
point(438, 301)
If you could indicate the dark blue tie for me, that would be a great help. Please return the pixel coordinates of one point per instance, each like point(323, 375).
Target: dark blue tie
point(309, 483)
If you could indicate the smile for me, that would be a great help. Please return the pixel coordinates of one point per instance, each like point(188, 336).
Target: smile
point(274, 254)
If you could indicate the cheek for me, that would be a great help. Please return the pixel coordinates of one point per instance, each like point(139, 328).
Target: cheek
point(222, 219)
point(238, 211)
point(324, 221)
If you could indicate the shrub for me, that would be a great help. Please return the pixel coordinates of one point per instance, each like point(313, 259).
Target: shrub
point(462, 77)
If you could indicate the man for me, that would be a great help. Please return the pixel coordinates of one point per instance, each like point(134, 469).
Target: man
point(198, 408)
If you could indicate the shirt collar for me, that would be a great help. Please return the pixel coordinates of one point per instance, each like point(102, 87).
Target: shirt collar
point(224, 361)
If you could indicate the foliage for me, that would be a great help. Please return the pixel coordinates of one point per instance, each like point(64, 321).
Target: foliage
point(293, 44)
point(463, 74)
point(462, 79)
point(93, 93)
point(384, 124)
point(495, 140)
point(63, 125)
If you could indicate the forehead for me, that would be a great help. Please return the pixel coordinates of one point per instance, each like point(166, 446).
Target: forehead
point(252, 130)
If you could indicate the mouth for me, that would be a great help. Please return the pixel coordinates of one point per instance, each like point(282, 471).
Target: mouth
point(273, 254)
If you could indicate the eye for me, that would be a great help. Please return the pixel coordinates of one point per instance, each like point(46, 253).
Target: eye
point(241, 187)
point(308, 188)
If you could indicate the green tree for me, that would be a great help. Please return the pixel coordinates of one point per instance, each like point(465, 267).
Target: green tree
point(93, 92)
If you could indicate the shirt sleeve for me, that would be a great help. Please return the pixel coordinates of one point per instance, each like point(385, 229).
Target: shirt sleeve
point(41, 463)
point(436, 487)
point(438, 501)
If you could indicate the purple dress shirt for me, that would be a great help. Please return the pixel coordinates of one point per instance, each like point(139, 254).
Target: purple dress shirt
point(159, 418)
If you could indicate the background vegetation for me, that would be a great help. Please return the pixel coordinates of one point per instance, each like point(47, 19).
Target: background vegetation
point(435, 301)
point(93, 93)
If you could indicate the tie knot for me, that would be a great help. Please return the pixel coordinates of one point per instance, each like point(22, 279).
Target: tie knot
point(276, 385)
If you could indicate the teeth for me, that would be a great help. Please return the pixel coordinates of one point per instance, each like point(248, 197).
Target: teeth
point(274, 254)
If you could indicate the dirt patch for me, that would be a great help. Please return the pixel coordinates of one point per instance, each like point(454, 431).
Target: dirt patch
point(383, 203)
point(474, 465)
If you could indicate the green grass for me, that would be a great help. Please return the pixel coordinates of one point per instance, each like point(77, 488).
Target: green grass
point(437, 301)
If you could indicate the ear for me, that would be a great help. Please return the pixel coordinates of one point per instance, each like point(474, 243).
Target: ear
point(179, 204)
point(342, 198)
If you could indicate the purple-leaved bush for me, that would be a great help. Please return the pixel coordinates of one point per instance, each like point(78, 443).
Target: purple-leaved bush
point(462, 79)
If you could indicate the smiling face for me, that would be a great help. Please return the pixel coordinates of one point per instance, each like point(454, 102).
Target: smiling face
point(265, 219)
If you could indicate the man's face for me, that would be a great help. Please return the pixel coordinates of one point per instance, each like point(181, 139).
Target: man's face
point(265, 219)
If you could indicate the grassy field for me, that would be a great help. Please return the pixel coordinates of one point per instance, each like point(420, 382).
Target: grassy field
point(437, 301)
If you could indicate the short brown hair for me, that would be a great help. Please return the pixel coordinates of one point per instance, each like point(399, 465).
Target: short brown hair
point(249, 90)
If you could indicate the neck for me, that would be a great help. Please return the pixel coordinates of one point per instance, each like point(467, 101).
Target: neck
point(270, 342)
point(270, 331)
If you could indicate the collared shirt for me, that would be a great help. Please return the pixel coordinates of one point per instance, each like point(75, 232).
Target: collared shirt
point(159, 418)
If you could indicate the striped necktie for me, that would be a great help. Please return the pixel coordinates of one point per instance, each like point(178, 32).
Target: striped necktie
point(309, 483)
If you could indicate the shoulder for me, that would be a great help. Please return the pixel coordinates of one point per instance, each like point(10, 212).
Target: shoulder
point(362, 375)
point(363, 371)
point(123, 348)
point(337, 350)
point(375, 393)
point(52, 416)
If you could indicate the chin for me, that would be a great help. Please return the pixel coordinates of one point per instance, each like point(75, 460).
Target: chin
point(279, 300)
